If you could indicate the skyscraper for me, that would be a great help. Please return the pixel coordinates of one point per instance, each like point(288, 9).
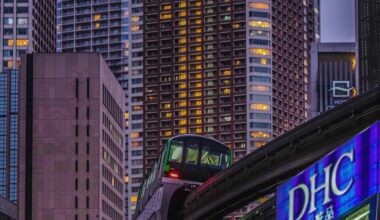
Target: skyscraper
point(71, 138)
point(97, 26)
point(333, 78)
point(26, 26)
point(237, 71)
point(368, 41)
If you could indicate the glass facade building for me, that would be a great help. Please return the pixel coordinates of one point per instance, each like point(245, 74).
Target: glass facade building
point(8, 134)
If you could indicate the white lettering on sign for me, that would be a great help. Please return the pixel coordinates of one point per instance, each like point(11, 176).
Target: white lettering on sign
point(329, 186)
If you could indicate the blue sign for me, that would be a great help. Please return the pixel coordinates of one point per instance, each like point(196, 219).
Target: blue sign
point(337, 183)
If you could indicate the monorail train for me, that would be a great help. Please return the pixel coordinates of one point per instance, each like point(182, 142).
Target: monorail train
point(185, 162)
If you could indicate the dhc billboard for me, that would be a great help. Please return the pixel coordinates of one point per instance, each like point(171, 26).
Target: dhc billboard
point(337, 183)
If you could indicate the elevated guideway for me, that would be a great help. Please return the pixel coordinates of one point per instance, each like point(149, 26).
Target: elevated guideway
point(259, 173)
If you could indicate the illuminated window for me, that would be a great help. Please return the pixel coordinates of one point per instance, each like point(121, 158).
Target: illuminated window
point(182, 40)
point(182, 49)
point(183, 86)
point(167, 133)
point(166, 105)
point(198, 49)
point(126, 179)
point(198, 112)
point(197, 94)
point(182, 14)
point(21, 42)
point(198, 85)
point(134, 198)
point(9, 64)
point(182, 94)
point(260, 51)
point(137, 108)
point(260, 134)
point(8, 42)
point(182, 4)
point(126, 115)
point(263, 24)
point(258, 5)
point(182, 122)
point(182, 103)
point(152, 98)
point(183, 112)
point(166, 16)
point(226, 72)
point(97, 25)
point(135, 135)
point(167, 7)
point(264, 61)
point(226, 91)
point(259, 106)
point(182, 22)
point(199, 3)
point(198, 121)
point(183, 131)
point(183, 76)
point(236, 25)
point(168, 114)
point(198, 130)
point(198, 12)
point(97, 17)
point(183, 67)
point(259, 88)
point(198, 76)
point(182, 58)
point(198, 67)
point(198, 21)
point(182, 31)
point(135, 27)
point(198, 39)
point(198, 57)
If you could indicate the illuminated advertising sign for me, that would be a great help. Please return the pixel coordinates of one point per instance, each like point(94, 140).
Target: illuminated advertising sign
point(336, 184)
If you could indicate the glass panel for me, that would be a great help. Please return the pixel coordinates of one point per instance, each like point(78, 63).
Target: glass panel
point(360, 214)
point(176, 151)
point(214, 159)
point(192, 156)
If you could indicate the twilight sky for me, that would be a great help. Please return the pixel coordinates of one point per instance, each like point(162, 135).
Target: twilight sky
point(337, 20)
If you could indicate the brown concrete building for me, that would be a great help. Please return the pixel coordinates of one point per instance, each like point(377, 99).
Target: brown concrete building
point(71, 139)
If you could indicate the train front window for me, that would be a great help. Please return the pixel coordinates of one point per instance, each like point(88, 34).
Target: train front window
point(176, 149)
point(191, 155)
point(214, 159)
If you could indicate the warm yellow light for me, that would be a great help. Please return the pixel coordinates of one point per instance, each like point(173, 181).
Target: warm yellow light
point(182, 49)
point(263, 61)
point(198, 130)
point(135, 135)
point(183, 86)
point(182, 94)
point(259, 144)
point(260, 134)
point(135, 28)
point(182, 14)
point(167, 7)
point(198, 112)
point(182, 31)
point(22, 42)
point(134, 198)
point(198, 12)
point(198, 76)
point(258, 5)
point(198, 39)
point(182, 22)
point(227, 72)
point(198, 67)
point(167, 133)
point(262, 24)
point(137, 108)
point(198, 103)
point(126, 179)
point(182, 4)
point(198, 4)
point(198, 21)
point(183, 67)
point(182, 40)
point(198, 121)
point(183, 76)
point(126, 115)
point(166, 16)
point(182, 122)
point(167, 105)
point(183, 131)
point(10, 42)
point(168, 115)
point(198, 85)
point(260, 51)
point(226, 91)
point(97, 17)
point(182, 103)
point(198, 94)
point(182, 112)
point(259, 106)
point(198, 49)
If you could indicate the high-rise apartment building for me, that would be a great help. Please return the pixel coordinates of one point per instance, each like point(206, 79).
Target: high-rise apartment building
point(368, 41)
point(97, 26)
point(333, 78)
point(26, 26)
point(71, 138)
point(237, 71)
